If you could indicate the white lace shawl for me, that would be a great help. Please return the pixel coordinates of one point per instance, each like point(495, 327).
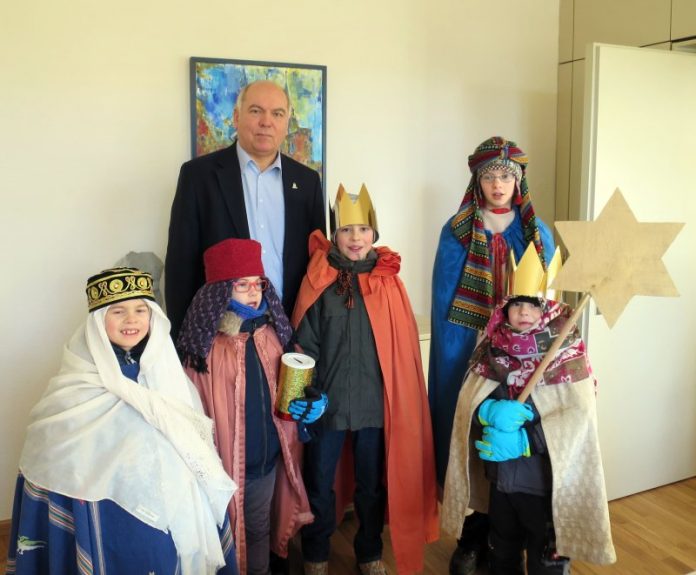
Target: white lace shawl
point(96, 434)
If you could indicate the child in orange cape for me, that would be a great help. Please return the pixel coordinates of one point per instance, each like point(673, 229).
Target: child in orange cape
point(354, 318)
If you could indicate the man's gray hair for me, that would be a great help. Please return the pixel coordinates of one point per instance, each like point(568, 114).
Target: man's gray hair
point(242, 94)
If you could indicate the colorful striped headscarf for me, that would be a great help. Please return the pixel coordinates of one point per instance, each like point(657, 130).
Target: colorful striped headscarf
point(474, 297)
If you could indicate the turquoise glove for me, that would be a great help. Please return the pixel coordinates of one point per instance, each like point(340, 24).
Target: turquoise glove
point(499, 445)
point(309, 408)
point(505, 414)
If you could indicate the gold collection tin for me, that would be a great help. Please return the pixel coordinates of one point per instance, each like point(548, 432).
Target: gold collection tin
point(295, 374)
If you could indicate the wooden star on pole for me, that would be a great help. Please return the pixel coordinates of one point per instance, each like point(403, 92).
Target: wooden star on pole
point(616, 257)
point(611, 259)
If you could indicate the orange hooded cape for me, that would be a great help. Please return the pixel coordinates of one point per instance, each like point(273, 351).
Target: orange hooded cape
point(410, 460)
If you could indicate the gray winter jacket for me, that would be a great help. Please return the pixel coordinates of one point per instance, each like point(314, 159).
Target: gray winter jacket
point(341, 341)
point(530, 475)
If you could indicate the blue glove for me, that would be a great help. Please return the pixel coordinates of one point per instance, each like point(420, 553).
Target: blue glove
point(505, 414)
point(499, 445)
point(309, 408)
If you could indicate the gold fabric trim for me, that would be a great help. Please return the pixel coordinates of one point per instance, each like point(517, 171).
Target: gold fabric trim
point(130, 284)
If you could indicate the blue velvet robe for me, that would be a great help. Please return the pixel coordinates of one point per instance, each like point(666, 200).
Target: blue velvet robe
point(57, 535)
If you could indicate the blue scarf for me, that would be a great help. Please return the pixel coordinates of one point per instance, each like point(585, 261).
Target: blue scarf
point(246, 311)
point(203, 316)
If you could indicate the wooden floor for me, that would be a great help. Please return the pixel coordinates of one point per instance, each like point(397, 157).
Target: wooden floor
point(654, 534)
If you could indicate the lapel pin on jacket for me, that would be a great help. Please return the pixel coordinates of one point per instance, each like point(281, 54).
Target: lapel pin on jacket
point(295, 186)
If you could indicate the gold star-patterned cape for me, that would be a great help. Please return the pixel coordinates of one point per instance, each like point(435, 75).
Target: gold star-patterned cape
point(579, 501)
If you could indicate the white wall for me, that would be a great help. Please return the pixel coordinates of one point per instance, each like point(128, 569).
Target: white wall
point(94, 110)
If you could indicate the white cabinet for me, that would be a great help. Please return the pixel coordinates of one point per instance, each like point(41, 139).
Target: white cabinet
point(625, 22)
point(582, 22)
point(565, 32)
point(683, 19)
point(635, 462)
point(645, 363)
point(423, 323)
point(563, 133)
point(569, 139)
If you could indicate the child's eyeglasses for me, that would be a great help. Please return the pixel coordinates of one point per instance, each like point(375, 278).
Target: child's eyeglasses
point(243, 286)
point(504, 178)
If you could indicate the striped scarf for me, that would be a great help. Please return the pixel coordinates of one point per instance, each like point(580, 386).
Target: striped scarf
point(474, 297)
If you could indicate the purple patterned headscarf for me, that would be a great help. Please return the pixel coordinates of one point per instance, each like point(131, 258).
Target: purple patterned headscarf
point(204, 314)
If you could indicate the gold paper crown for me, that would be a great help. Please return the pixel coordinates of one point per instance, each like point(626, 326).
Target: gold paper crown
point(528, 276)
point(348, 212)
point(118, 284)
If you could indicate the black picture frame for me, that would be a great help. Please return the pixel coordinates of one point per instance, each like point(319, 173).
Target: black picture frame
point(215, 85)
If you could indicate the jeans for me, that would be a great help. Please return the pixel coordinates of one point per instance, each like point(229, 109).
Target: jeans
point(321, 458)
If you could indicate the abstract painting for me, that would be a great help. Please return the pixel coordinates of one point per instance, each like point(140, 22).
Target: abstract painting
point(215, 85)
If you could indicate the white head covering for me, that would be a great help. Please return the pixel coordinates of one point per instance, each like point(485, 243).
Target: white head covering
point(96, 434)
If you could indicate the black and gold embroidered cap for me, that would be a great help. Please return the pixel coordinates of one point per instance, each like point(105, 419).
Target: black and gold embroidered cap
point(118, 284)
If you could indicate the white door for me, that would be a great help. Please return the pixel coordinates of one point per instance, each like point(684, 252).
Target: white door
point(640, 136)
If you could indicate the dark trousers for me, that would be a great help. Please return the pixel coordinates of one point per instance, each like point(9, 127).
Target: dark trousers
point(258, 494)
point(474, 535)
point(520, 521)
point(321, 458)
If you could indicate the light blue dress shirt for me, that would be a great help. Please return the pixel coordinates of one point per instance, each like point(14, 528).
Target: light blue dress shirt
point(265, 210)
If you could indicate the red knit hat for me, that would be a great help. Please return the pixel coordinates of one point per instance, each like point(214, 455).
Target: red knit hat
point(231, 259)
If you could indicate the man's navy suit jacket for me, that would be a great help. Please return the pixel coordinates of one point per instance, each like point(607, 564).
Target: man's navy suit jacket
point(209, 207)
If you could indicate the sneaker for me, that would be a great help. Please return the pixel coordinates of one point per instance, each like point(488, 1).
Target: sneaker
point(321, 568)
point(373, 568)
point(463, 562)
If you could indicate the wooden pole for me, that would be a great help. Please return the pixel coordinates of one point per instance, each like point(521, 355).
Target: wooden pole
point(560, 338)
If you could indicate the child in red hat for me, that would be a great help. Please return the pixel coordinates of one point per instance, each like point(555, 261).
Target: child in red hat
point(231, 343)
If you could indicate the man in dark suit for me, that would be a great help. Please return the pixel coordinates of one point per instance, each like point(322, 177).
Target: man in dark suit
point(249, 190)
